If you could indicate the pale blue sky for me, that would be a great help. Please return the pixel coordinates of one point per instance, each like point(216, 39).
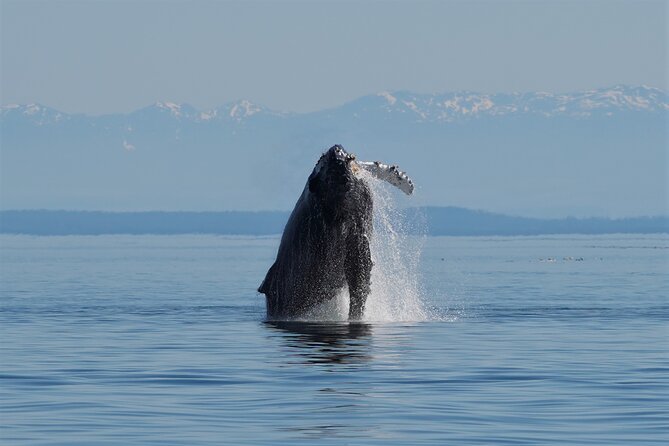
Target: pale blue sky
point(103, 56)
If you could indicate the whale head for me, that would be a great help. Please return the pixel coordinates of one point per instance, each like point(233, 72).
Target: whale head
point(334, 183)
point(333, 173)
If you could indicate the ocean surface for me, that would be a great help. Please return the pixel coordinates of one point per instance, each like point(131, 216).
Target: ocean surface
point(162, 340)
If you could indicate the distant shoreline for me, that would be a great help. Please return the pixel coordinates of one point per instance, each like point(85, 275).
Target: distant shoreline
point(452, 221)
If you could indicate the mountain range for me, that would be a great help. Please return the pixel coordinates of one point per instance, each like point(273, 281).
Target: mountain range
point(445, 107)
point(599, 152)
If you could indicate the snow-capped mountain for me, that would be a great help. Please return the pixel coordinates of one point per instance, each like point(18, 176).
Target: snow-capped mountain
point(233, 112)
point(596, 152)
point(34, 113)
point(442, 107)
point(457, 106)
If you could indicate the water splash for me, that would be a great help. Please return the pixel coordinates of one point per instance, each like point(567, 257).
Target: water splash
point(397, 242)
point(396, 247)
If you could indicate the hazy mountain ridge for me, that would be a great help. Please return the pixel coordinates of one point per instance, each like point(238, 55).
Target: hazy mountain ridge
point(456, 106)
point(447, 107)
point(598, 152)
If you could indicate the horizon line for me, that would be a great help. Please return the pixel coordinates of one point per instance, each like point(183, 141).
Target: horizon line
point(288, 211)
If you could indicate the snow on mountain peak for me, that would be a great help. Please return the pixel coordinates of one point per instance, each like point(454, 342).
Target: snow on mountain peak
point(244, 109)
point(37, 113)
point(32, 109)
point(9, 108)
point(173, 108)
point(389, 97)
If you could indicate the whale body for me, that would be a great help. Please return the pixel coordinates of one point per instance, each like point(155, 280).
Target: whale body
point(325, 245)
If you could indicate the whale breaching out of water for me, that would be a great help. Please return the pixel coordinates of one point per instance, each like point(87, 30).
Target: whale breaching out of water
point(326, 243)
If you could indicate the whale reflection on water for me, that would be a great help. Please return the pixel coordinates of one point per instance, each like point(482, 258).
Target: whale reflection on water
point(326, 342)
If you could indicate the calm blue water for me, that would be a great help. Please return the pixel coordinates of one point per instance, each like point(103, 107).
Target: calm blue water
point(140, 340)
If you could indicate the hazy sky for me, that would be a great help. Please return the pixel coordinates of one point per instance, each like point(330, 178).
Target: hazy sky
point(117, 56)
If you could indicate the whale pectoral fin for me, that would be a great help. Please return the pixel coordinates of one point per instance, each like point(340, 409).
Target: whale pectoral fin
point(390, 174)
point(358, 274)
point(266, 284)
point(268, 287)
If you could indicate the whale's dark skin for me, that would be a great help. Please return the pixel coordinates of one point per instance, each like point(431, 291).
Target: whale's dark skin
point(325, 244)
